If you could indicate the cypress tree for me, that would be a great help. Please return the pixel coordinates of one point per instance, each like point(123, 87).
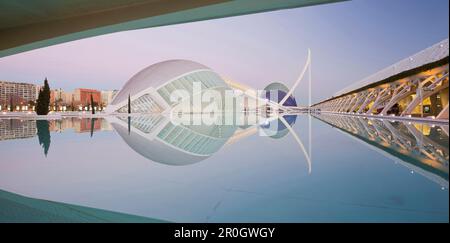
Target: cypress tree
point(92, 104)
point(11, 109)
point(43, 101)
point(129, 104)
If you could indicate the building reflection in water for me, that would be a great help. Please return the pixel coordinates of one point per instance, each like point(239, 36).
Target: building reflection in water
point(80, 125)
point(17, 129)
point(156, 137)
point(161, 140)
point(28, 128)
point(423, 148)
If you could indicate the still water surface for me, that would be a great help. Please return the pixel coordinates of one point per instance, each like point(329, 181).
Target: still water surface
point(354, 170)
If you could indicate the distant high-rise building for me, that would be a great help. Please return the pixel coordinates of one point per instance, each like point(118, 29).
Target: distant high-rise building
point(37, 89)
point(107, 96)
point(67, 98)
point(22, 97)
point(54, 95)
point(60, 99)
point(82, 97)
point(19, 94)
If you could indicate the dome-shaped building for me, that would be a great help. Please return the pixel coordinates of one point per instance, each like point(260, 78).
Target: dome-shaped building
point(276, 92)
point(150, 89)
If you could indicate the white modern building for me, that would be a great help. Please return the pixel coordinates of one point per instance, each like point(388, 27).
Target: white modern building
point(108, 96)
point(416, 86)
point(150, 90)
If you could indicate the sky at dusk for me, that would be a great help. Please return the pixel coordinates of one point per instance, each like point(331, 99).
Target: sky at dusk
point(349, 41)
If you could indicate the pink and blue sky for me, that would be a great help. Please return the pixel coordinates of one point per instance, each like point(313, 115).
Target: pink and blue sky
point(349, 41)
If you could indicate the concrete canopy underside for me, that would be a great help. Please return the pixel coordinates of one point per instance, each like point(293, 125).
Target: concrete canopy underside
point(26, 25)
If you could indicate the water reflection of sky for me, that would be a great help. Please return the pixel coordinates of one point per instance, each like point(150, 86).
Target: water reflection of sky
point(252, 179)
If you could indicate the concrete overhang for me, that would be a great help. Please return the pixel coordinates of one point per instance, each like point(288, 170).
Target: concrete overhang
point(26, 24)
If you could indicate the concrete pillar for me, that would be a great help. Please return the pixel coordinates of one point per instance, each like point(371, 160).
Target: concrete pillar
point(345, 103)
point(367, 101)
point(362, 96)
point(337, 106)
point(418, 99)
point(399, 93)
point(350, 104)
point(444, 113)
point(380, 97)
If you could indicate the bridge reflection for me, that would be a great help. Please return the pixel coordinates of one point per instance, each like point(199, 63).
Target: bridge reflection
point(421, 147)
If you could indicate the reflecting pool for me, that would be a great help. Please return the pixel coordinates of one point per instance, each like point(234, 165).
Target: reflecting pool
point(297, 168)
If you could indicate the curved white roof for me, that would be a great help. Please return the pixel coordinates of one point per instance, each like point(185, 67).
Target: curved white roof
point(155, 76)
point(277, 86)
point(431, 54)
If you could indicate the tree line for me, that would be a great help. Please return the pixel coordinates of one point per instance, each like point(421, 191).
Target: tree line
point(43, 101)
